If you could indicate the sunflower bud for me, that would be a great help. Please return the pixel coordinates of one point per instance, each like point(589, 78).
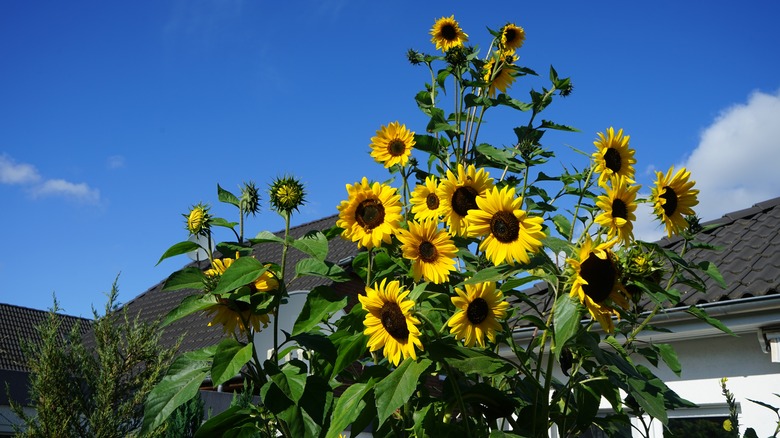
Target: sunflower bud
point(415, 57)
point(250, 198)
point(198, 219)
point(287, 194)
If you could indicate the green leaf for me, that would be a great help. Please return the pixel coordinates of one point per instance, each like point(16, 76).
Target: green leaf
point(188, 306)
point(395, 389)
point(502, 434)
point(649, 394)
point(234, 417)
point(319, 343)
point(314, 244)
point(226, 197)
point(766, 405)
point(220, 222)
point(178, 249)
point(350, 348)
point(558, 245)
point(503, 99)
point(551, 125)
point(669, 356)
point(179, 385)
point(562, 225)
point(348, 407)
point(187, 278)
point(321, 302)
point(494, 273)
point(266, 237)
point(291, 380)
point(711, 269)
point(702, 315)
point(320, 268)
point(566, 321)
point(230, 357)
point(241, 272)
point(426, 143)
point(470, 360)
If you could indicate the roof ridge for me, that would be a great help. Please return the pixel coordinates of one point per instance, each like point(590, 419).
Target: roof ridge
point(42, 311)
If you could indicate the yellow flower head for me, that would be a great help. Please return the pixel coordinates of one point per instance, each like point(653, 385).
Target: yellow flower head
point(674, 198)
point(371, 214)
point(425, 202)
point(512, 38)
point(498, 74)
point(198, 219)
point(618, 206)
point(510, 234)
point(458, 194)
point(613, 156)
point(446, 34)
point(392, 144)
point(234, 314)
point(389, 322)
point(596, 281)
point(431, 250)
point(480, 308)
point(287, 194)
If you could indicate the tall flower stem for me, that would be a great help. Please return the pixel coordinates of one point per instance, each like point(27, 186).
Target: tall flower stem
point(282, 287)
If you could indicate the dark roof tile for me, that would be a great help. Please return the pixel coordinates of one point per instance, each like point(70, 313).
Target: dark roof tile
point(19, 325)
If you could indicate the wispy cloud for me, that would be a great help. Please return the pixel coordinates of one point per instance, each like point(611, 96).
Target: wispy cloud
point(735, 163)
point(115, 162)
point(17, 173)
point(60, 187)
point(13, 173)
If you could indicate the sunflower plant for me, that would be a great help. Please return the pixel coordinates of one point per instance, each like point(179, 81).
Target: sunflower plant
point(502, 296)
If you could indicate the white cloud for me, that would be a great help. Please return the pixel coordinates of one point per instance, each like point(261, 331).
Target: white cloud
point(735, 164)
point(25, 174)
point(60, 187)
point(115, 162)
point(16, 173)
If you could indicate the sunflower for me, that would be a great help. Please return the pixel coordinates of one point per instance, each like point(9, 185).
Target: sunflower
point(512, 37)
point(287, 193)
point(389, 322)
point(425, 202)
point(613, 156)
point(510, 233)
point(371, 214)
point(198, 219)
point(501, 79)
point(446, 33)
point(674, 198)
point(392, 145)
point(458, 194)
point(234, 314)
point(596, 281)
point(431, 250)
point(618, 206)
point(479, 309)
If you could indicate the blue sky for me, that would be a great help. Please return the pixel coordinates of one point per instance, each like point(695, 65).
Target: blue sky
point(116, 117)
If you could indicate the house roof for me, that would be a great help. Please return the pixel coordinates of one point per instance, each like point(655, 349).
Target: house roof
point(747, 255)
point(19, 325)
point(193, 330)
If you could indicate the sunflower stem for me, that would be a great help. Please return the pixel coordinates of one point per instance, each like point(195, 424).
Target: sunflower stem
point(282, 288)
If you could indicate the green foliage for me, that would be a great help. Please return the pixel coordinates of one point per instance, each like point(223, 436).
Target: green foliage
point(95, 386)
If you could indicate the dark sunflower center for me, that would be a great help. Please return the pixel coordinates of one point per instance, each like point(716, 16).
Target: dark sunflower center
point(612, 159)
point(449, 32)
point(510, 35)
point(393, 321)
point(396, 148)
point(432, 201)
point(600, 275)
point(427, 251)
point(619, 209)
point(671, 201)
point(477, 311)
point(463, 200)
point(235, 305)
point(505, 227)
point(370, 213)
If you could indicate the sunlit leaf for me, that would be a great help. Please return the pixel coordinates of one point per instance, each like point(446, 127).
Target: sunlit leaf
point(178, 249)
point(187, 278)
point(395, 389)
